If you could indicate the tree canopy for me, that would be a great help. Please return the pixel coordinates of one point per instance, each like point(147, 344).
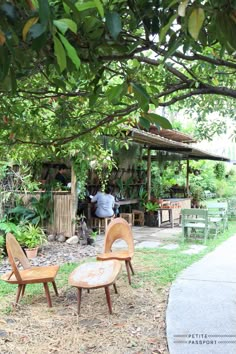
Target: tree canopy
point(70, 69)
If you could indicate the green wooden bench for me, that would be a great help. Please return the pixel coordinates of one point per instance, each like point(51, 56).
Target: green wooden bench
point(193, 220)
point(218, 211)
point(232, 207)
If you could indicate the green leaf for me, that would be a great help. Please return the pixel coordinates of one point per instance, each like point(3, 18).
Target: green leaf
point(59, 83)
point(59, 53)
point(144, 123)
point(44, 12)
point(155, 101)
point(113, 23)
point(195, 22)
point(72, 7)
point(100, 8)
point(157, 119)
point(114, 93)
point(36, 31)
point(165, 29)
point(71, 52)
point(66, 8)
point(85, 6)
point(65, 23)
point(9, 10)
point(141, 95)
point(182, 8)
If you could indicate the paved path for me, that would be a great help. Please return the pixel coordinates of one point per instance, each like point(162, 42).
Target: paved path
point(201, 313)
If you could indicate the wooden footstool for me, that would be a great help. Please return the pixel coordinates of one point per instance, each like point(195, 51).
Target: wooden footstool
point(95, 275)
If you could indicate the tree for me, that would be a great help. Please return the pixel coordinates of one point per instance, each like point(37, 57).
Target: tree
point(74, 68)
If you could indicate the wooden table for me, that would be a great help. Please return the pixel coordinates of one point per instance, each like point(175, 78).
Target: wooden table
point(127, 202)
point(94, 275)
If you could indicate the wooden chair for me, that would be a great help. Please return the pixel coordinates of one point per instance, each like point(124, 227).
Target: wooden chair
point(101, 223)
point(27, 275)
point(128, 217)
point(119, 229)
point(94, 275)
point(194, 219)
point(138, 217)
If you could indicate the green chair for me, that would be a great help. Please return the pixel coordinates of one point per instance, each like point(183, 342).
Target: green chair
point(194, 220)
point(232, 208)
point(218, 214)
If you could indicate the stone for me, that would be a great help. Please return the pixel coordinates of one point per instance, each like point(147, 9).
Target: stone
point(3, 333)
point(72, 240)
point(194, 249)
point(61, 238)
point(148, 244)
point(51, 238)
point(171, 246)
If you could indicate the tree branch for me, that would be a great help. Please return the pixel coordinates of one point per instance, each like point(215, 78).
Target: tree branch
point(214, 61)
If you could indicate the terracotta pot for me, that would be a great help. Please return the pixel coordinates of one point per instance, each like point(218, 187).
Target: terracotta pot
point(31, 252)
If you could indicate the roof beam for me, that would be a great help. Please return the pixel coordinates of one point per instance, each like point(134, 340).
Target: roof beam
point(174, 149)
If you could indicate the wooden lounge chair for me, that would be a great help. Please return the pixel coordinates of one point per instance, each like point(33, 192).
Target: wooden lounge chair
point(27, 275)
point(119, 229)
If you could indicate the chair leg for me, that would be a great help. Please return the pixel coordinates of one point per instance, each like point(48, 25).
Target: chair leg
point(20, 286)
point(128, 271)
point(131, 267)
point(115, 288)
point(107, 291)
point(47, 293)
point(23, 290)
point(79, 295)
point(55, 287)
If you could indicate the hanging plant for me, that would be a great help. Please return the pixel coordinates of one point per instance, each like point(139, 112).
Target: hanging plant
point(81, 168)
point(103, 167)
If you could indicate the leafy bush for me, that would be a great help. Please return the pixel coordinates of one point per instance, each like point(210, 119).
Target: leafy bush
point(37, 212)
point(151, 207)
point(31, 236)
point(219, 170)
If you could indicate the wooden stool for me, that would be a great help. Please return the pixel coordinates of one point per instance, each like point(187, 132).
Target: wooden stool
point(95, 275)
point(101, 223)
point(138, 217)
point(128, 217)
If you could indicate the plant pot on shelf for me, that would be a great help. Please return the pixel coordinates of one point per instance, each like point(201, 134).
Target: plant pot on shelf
point(31, 252)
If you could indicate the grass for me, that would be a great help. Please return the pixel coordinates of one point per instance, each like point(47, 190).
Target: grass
point(164, 265)
point(158, 266)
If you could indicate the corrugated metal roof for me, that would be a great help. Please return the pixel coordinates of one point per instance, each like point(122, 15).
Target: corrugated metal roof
point(157, 142)
point(176, 136)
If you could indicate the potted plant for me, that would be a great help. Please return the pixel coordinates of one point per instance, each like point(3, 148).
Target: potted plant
point(151, 213)
point(30, 238)
point(197, 195)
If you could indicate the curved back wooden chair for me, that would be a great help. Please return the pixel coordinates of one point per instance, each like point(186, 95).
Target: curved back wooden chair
point(119, 229)
point(27, 274)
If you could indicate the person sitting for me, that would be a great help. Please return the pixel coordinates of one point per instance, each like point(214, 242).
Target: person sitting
point(60, 175)
point(105, 203)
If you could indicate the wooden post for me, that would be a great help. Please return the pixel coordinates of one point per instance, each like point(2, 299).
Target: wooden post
point(187, 178)
point(149, 174)
point(74, 198)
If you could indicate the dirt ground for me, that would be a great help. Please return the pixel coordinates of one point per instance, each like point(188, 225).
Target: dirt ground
point(137, 325)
